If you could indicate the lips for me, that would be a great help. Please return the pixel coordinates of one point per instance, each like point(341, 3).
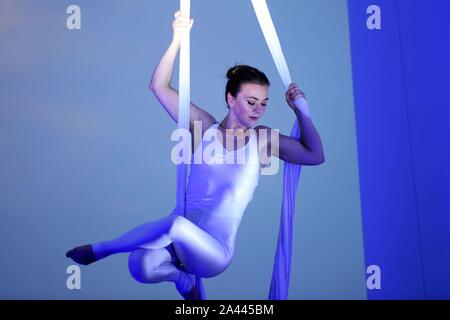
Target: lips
point(254, 118)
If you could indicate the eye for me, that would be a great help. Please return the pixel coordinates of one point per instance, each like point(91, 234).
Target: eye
point(251, 103)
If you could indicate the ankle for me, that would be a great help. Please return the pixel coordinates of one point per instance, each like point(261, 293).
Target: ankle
point(99, 250)
point(184, 283)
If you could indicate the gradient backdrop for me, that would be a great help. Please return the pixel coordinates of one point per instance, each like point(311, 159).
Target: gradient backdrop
point(85, 148)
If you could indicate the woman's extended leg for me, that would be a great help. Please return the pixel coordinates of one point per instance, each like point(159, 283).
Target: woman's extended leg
point(198, 251)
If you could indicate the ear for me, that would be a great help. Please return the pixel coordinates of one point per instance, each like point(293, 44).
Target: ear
point(230, 100)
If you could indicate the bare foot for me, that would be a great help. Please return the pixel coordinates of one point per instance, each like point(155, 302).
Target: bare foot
point(82, 254)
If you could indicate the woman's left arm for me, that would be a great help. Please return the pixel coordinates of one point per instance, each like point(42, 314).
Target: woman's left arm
point(306, 151)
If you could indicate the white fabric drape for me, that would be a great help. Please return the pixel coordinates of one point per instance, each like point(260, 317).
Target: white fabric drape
point(183, 103)
point(279, 286)
point(183, 122)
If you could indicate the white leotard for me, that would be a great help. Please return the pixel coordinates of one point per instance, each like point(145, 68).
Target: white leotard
point(202, 242)
point(218, 193)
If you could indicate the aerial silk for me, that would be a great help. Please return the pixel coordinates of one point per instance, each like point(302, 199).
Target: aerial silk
point(279, 285)
point(282, 263)
point(183, 123)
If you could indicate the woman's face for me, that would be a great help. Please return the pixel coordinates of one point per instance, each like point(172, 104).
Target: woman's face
point(250, 103)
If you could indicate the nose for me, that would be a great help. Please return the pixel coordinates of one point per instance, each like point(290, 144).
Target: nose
point(258, 106)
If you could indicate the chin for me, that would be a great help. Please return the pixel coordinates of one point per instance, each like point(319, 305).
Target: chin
point(253, 121)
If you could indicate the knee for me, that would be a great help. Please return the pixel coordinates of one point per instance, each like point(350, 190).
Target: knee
point(138, 266)
point(178, 223)
point(214, 272)
point(135, 264)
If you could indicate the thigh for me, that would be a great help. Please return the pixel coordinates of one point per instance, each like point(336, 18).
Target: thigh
point(198, 251)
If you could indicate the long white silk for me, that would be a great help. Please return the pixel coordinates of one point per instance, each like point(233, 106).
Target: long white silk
point(183, 103)
point(183, 122)
point(279, 286)
point(270, 34)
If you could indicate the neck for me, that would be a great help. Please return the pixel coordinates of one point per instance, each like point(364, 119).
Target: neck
point(231, 122)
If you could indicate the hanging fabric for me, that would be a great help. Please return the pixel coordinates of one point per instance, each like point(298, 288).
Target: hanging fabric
point(183, 103)
point(183, 122)
point(279, 285)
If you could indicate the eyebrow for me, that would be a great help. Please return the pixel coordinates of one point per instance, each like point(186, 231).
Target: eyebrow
point(257, 98)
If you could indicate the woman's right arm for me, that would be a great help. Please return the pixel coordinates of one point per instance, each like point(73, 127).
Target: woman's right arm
point(162, 78)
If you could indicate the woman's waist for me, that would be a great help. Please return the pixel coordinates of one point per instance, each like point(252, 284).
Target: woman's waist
point(223, 225)
point(210, 195)
point(228, 207)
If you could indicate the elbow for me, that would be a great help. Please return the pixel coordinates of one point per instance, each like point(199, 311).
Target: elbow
point(157, 88)
point(152, 86)
point(320, 160)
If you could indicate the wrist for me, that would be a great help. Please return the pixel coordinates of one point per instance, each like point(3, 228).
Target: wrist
point(297, 112)
point(175, 43)
point(303, 108)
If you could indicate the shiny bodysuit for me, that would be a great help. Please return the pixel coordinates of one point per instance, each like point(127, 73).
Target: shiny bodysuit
point(219, 189)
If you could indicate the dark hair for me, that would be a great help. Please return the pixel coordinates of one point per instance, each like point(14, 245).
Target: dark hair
point(241, 74)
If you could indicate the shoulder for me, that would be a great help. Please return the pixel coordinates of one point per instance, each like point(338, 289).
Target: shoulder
point(209, 124)
point(264, 132)
point(261, 126)
point(203, 124)
point(262, 129)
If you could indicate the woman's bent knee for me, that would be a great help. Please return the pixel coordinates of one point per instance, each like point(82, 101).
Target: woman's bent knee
point(138, 266)
point(210, 270)
point(178, 223)
point(211, 274)
point(134, 264)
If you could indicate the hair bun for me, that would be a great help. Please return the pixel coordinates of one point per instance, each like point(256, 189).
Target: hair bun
point(232, 71)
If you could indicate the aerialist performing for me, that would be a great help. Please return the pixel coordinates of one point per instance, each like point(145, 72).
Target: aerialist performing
point(177, 248)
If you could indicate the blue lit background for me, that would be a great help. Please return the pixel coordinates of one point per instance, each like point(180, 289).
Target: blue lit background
point(85, 147)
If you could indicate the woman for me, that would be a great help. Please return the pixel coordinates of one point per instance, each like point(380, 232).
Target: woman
point(174, 248)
